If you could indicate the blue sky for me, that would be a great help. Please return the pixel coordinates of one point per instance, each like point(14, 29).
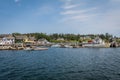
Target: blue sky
point(60, 16)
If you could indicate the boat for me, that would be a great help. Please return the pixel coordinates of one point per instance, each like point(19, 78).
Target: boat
point(28, 48)
point(40, 48)
point(56, 46)
point(36, 48)
point(94, 45)
point(68, 46)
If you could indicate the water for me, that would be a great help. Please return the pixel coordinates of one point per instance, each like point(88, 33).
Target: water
point(61, 64)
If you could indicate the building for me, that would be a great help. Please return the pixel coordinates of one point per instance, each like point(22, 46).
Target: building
point(7, 40)
point(97, 42)
point(20, 38)
point(43, 41)
point(60, 39)
point(30, 39)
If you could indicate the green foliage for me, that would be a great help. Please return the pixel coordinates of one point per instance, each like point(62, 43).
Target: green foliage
point(16, 34)
point(39, 36)
point(67, 37)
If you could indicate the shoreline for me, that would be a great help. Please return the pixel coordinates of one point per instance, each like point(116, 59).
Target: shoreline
point(58, 47)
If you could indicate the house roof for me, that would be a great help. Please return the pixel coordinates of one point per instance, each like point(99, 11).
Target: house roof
point(32, 38)
point(21, 37)
point(42, 39)
point(5, 35)
point(10, 37)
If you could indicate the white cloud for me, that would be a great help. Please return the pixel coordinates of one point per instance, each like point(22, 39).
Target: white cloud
point(68, 12)
point(110, 21)
point(70, 6)
point(82, 16)
point(73, 11)
point(92, 19)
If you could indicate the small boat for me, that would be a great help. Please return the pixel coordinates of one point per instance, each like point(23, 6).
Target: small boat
point(39, 48)
point(68, 46)
point(56, 46)
point(35, 48)
point(28, 48)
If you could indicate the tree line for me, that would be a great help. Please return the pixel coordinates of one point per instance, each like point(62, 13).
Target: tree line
point(68, 37)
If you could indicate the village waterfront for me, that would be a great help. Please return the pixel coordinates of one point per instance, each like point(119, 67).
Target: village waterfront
point(37, 57)
point(42, 41)
point(61, 64)
point(59, 57)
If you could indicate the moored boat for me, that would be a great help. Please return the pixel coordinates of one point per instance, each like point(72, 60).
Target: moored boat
point(66, 46)
point(40, 48)
point(28, 48)
point(56, 46)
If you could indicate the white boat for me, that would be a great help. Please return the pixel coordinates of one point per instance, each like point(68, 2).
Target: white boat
point(36, 48)
point(68, 46)
point(39, 48)
point(94, 45)
point(28, 48)
point(56, 46)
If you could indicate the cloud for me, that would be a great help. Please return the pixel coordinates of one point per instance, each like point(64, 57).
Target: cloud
point(73, 11)
point(110, 21)
point(89, 18)
point(70, 6)
point(68, 12)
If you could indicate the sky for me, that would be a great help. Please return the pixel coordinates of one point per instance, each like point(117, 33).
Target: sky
point(60, 16)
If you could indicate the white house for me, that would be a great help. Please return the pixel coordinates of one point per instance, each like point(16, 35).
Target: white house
point(60, 39)
point(43, 41)
point(97, 42)
point(7, 41)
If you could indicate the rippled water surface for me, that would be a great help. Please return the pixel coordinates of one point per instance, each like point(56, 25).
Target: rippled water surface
point(61, 64)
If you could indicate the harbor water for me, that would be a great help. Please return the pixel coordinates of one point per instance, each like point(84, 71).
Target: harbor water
point(61, 64)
